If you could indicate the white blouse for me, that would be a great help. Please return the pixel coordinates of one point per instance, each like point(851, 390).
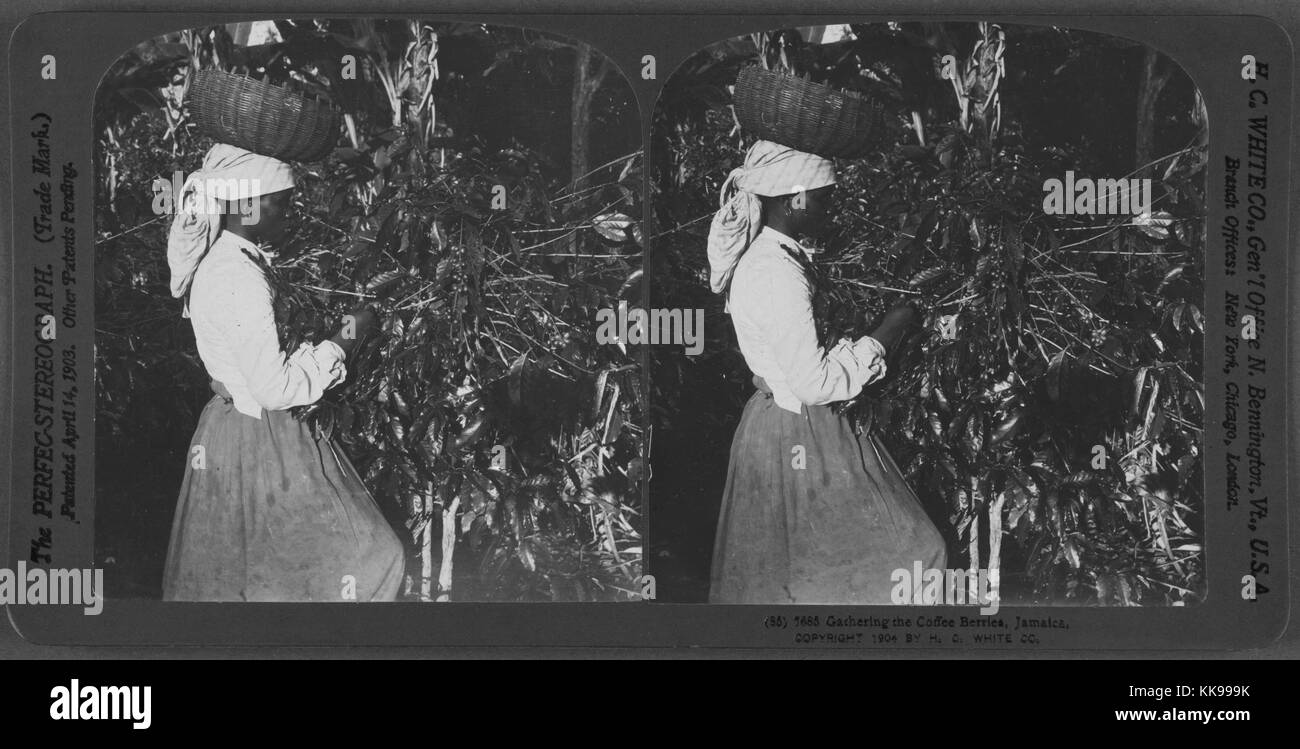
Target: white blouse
point(771, 308)
point(234, 327)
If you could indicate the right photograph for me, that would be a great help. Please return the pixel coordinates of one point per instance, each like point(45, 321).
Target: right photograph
point(951, 277)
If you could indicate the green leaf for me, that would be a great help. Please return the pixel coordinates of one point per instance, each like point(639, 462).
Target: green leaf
point(613, 227)
point(936, 426)
point(974, 434)
point(1071, 550)
point(1053, 378)
point(515, 378)
point(1008, 427)
point(525, 553)
point(473, 431)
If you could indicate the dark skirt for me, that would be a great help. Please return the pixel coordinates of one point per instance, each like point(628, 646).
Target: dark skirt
point(275, 514)
point(831, 532)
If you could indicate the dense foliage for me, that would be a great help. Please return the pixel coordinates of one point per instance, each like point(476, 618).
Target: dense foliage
point(484, 414)
point(1054, 394)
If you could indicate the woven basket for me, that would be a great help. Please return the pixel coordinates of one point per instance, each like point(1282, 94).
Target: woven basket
point(262, 117)
point(804, 115)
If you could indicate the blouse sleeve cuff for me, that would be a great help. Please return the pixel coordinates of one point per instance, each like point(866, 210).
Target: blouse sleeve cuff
point(328, 347)
point(868, 348)
point(863, 358)
point(323, 363)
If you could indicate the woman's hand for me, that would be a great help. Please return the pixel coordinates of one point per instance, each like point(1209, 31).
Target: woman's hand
point(364, 320)
point(894, 325)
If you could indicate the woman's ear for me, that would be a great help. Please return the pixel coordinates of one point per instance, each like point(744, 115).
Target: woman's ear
point(797, 201)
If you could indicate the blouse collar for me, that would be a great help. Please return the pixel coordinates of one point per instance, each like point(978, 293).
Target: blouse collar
point(241, 243)
point(782, 238)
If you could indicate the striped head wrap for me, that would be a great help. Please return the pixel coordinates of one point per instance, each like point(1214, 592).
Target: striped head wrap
point(770, 169)
point(228, 173)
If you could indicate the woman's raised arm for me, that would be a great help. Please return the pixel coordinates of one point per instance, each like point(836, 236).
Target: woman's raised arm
point(815, 375)
point(277, 380)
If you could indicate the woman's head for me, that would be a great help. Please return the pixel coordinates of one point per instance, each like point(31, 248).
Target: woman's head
point(779, 186)
point(259, 186)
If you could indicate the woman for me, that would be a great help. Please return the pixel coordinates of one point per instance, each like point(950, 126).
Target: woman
point(811, 513)
point(267, 510)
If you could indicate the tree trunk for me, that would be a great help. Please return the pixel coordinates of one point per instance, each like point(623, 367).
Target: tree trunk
point(585, 85)
point(995, 547)
point(448, 549)
point(426, 546)
point(1150, 84)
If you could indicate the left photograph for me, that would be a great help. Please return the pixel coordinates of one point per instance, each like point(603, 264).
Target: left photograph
point(347, 274)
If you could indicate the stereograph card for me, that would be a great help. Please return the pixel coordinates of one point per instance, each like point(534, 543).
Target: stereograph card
point(833, 326)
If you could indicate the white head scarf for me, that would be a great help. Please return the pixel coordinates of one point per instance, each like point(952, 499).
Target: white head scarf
point(228, 173)
point(770, 169)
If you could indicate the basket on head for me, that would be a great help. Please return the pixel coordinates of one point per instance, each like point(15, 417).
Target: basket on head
point(804, 115)
point(262, 117)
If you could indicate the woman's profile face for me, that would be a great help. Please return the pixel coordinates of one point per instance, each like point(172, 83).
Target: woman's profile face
point(261, 219)
point(813, 218)
point(273, 222)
